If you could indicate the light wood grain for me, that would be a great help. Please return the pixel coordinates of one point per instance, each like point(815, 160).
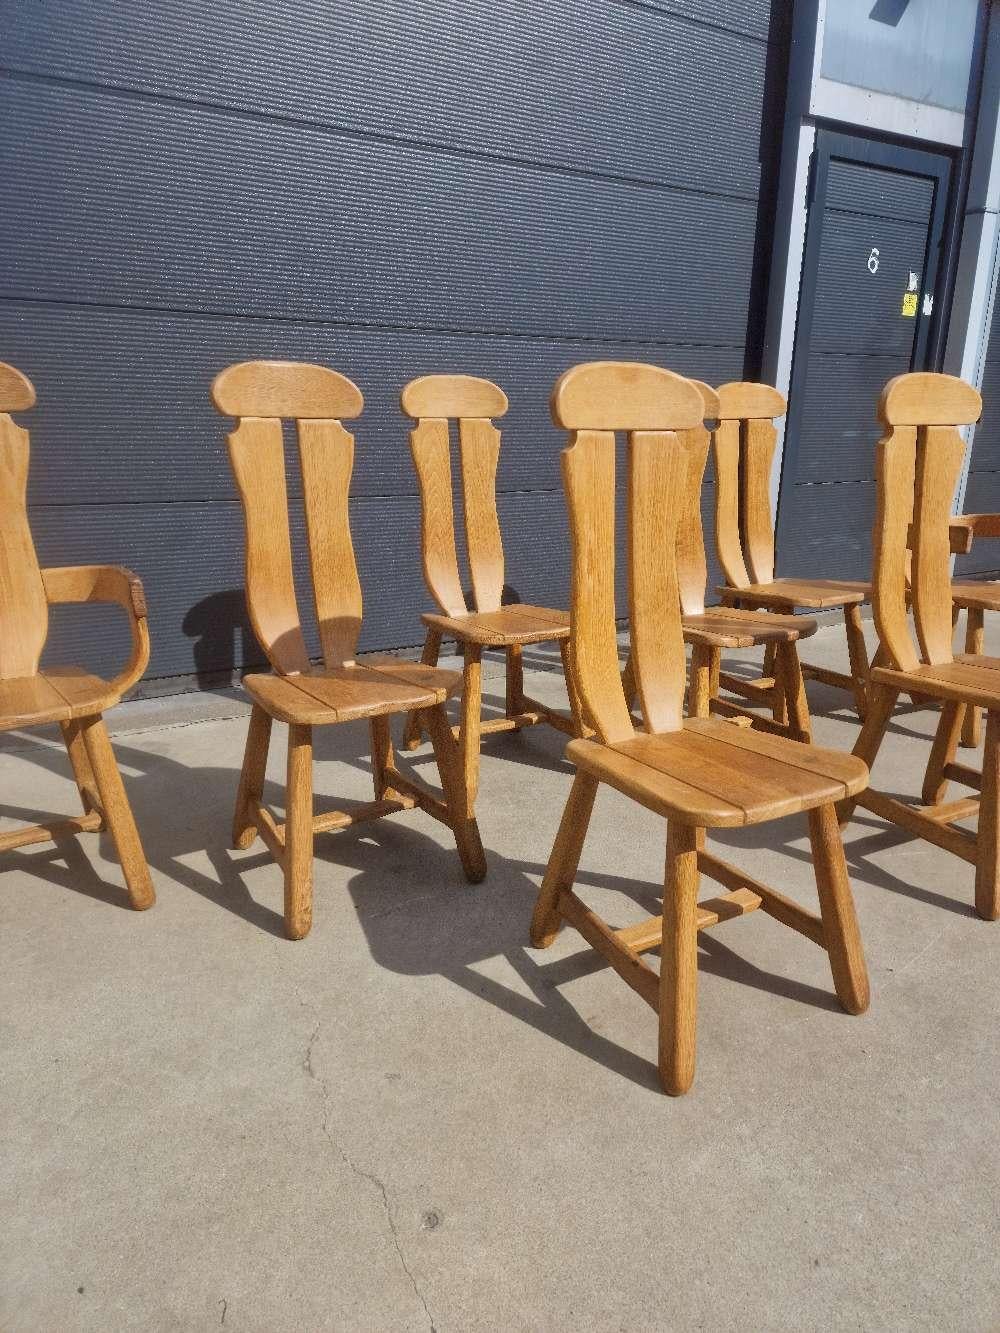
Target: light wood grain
point(700, 772)
point(298, 692)
point(24, 617)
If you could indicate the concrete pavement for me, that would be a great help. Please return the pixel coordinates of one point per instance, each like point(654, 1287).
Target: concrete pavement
point(413, 1120)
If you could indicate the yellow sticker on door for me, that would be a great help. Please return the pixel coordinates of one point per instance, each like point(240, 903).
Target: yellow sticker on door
point(909, 305)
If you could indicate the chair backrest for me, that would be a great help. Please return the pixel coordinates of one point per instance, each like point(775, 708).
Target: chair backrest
point(432, 401)
point(692, 566)
point(261, 393)
point(655, 408)
point(744, 441)
point(24, 611)
point(917, 466)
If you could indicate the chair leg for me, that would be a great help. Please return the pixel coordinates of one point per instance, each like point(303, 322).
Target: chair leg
point(700, 683)
point(456, 794)
point(298, 833)
point(840, 922)
point(881, 702)
point(470, 726)
point(83, 774)
point(514, 701)
point(771, 670)
point(988, 841)
point(383, 758)
point(788, 671)
point(561, 869)
point(942, 752)
point(251, 778)
point(857, 654)
point(973, 644)
point(413, 732)
point(679, 960)
point(118, 812)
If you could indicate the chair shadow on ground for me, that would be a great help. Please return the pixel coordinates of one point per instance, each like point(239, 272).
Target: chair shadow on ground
point(418, 914)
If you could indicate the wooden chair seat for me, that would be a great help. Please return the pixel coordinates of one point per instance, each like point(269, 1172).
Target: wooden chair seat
point(514, 624)
point(57, 694)
point(816, 594)
point(326, 695)
point(969, 679)
point(976, 596)
point(713, 774)
point(730, 627)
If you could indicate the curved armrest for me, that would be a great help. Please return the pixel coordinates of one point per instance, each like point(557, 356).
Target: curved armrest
point(106, 583)
point(976, 526)
point(960, 534)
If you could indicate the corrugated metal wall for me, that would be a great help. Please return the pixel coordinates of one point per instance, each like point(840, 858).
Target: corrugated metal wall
point(389, 188)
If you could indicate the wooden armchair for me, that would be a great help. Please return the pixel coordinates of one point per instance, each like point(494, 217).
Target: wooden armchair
point(700, 773)
point(432, 401)
point(975, 598)
point(70, 696)
point(917, 468)
point(744, 444)
point(260, 394)
point(710, 630)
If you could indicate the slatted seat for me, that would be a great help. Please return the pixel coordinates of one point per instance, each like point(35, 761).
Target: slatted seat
point(433, 401)
point(714, 775)
point(344, 694)
point(744, 441)
point(56, 694)
point(299, 693)
point(730, 627)
point(508, 626)
point(918, 463)
point(700, 773)
point(67, 695)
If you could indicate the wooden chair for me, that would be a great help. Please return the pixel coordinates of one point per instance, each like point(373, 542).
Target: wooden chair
point(710, 630)
point(260, 394)
point(975, 598)
point(700, 773)
point(68, 695)
point(432, 401)
point(744, 444)
point(917, 468)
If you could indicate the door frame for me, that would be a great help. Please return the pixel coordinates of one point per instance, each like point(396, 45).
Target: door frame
point(888, 155)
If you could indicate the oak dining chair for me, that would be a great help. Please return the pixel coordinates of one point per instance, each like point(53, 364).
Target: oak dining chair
point(698, 773)
point(743, 445)
point(73, 698)
point(711, 630)
point(917, 467)
point(433, 402)
point(303, 695)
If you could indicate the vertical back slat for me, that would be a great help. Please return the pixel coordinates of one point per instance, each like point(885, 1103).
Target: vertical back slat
point(24, 614)
point(657, 489)
point(258, 461)
point(758, 526)
point(479, 450)
point(326, 450)
point(939, 454)
point(728, 543)
point(895, 458)
point(588, 469)
point(692, 566)
point(429, 446)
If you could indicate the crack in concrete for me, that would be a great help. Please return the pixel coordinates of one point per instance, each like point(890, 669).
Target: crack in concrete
point(360, 1172)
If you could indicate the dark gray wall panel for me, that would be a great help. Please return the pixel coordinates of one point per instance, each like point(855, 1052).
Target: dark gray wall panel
point(982, 494)
point(869, 190)
point(174, 207)
point(123, 400)
point(838, 431)
point(522, 80)
point(830, 534)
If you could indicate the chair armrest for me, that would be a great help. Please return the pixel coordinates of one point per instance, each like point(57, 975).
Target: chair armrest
point(978, 525)
point(960, 533)
point(106, 583)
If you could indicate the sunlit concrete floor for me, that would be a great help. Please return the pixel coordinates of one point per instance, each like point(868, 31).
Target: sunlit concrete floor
point(413, 1120)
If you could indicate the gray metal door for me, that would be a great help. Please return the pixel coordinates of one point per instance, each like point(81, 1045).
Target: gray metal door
point(876, 218)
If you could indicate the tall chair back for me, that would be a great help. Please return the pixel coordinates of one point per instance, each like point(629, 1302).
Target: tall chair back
point(432, 401)
point(918, 462)
point(24, 613)
point(261, 394)
point(744, 440)
point(692, 566)
point(655, 408)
